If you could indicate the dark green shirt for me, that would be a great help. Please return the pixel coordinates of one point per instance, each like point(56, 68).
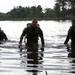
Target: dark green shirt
point(32, 36)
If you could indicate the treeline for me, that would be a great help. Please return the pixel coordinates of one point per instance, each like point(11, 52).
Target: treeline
point(20, 12)
point(63, 9)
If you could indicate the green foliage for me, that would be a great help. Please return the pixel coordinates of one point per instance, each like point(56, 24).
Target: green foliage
point(62, 9)
point(49, 13)
point(65, 8)
point(26, 12)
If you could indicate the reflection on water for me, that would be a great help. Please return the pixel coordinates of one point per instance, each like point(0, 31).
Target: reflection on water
point(33, 62)
point(71, 54)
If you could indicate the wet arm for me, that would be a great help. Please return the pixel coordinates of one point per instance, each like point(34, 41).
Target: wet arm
point(4, 36)
point(42, 38)
point(22, 35)
point(68, 37)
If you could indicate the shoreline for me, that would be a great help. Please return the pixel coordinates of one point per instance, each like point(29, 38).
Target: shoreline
point(25, 19)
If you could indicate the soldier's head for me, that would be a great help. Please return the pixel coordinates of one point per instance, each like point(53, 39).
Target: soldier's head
point(0, 28)
point(73, 22)
point(34, 22)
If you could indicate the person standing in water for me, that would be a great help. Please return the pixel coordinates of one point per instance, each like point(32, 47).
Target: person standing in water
point(3, 36)
point(71, 35)
point(32, 33)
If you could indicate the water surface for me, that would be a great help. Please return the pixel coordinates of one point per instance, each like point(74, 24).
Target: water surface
point(53, 60)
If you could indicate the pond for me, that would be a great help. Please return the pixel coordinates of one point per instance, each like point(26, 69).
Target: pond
point(53, 60)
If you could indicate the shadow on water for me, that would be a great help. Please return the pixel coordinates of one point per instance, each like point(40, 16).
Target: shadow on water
point(71, 55)
point(32, 60)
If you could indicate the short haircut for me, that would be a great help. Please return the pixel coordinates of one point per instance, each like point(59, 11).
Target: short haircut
point(73, 20)
point(34, 20)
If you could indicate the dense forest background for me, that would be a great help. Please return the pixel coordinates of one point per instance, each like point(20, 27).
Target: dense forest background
point(63, 9)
